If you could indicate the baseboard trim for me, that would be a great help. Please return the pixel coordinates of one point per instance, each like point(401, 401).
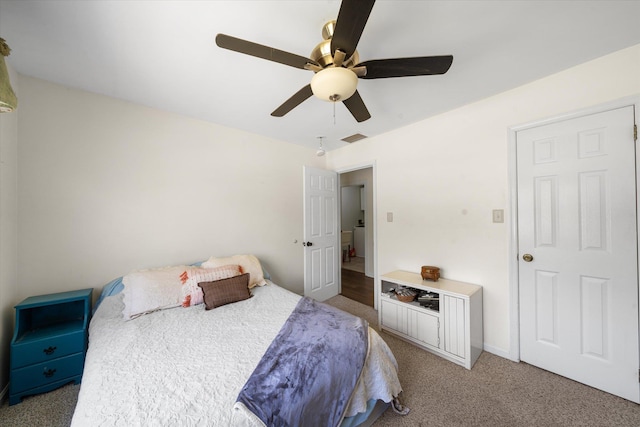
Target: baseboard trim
point(498, 352)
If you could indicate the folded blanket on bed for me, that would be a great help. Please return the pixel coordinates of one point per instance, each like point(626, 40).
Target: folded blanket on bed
point(308, 374)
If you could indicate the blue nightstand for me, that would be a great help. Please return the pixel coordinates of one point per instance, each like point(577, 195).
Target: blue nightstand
point(49, 342)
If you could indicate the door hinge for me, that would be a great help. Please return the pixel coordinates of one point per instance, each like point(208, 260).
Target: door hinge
point(635, 132)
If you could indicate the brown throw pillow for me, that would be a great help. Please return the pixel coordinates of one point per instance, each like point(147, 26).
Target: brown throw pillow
point(225, 291)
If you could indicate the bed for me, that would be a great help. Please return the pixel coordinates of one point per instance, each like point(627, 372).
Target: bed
point(187, 365)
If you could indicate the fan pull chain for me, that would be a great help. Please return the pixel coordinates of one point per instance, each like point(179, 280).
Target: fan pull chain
point(334, 113)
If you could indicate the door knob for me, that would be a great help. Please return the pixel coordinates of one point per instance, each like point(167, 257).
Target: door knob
point(527, 257)
point(307, 244)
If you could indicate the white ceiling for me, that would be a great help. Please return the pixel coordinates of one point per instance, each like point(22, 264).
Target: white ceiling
point(162, 54)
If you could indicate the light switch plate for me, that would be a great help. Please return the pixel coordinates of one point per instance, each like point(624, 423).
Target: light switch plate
point(498, 215)
point(389, 216)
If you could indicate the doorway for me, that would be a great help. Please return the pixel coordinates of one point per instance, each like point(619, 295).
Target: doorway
point(356, 219)
point(576, 233)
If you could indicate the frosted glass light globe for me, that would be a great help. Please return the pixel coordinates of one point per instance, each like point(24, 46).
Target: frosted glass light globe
point(334, 84)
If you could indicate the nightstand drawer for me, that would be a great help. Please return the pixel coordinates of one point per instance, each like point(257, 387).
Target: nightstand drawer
point(44, 373)
point(28, 352)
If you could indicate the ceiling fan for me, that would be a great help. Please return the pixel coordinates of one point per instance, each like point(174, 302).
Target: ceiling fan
point(335, 61)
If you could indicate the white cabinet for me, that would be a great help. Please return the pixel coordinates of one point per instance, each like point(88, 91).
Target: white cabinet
point(423, 327)
point(393, 316)
point(454, 325)
point(452, 329)
point(412, 323)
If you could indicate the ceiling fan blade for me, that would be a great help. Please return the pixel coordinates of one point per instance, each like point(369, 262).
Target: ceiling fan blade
point(405, 67)
point(291, 103)
point(352, 18)
point(265, 52)
point(356, 106)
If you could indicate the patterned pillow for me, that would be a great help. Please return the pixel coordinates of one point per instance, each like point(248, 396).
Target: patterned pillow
point(191, 293)
point(249, 264)
point(225, 291)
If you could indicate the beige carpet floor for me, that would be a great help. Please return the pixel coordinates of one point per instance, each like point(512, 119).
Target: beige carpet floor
point(496, 392)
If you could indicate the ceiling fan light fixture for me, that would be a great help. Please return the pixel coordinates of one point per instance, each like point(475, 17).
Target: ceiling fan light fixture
point(336, 62)
point(320, 151)
point(334, 84)
point(8, 100)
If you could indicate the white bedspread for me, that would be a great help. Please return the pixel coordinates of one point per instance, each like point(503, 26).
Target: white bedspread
point(186, 366)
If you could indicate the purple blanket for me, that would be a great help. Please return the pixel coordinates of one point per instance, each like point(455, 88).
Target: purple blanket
point(308, 373)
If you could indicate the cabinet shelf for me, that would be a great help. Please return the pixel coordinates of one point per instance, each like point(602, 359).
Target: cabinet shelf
point(412, 304)
point(45, 332)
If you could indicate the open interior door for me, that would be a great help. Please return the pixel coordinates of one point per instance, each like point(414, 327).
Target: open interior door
point(320, 234)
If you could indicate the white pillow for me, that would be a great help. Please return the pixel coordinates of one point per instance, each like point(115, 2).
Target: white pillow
point(146, 291)
point(248, 264)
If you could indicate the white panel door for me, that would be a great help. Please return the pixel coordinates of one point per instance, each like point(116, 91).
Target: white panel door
point(578, 280)
point(320, 233)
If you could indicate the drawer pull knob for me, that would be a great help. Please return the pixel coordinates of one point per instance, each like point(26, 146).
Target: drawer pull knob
point(49, 373)
point(49, 351)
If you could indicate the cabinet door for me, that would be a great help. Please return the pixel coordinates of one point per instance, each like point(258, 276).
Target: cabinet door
point(394, 316)
point(454, 325)
point(423, 327)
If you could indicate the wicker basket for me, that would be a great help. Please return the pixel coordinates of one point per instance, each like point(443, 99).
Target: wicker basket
point(406, 295)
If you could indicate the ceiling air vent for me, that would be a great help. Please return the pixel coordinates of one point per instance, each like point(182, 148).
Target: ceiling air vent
point(353, 138)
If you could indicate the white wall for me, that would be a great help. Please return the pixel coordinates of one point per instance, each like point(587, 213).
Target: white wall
point(106, 187)
point(8, 227)
point(443, 176)
point(350, 208)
